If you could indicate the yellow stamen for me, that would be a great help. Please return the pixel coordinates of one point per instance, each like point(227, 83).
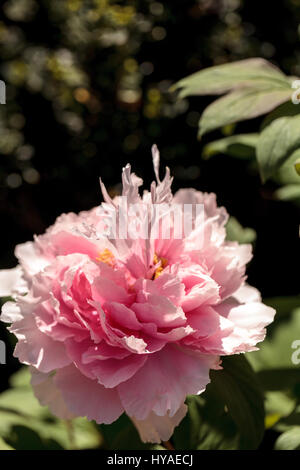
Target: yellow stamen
point(163, 264)
point(107, 257)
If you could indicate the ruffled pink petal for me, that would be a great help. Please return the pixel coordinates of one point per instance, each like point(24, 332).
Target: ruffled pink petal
point(191, 196)
point(106, 290)
point(116, 337)
point(48, 394)
point(103, 351)
point(170, 286)
point(229, 268)
point(154, 389)
point(110, 372)
point(35, 348)
point(65, 243)
point(157, 309)
point(205, 321)
point(248, 322)
point(121, 316)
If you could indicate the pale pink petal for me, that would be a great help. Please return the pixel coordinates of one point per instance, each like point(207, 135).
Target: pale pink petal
point(201, 294)
point(167, 284)
point(110, 372)
point(106, 290)
point(247, 293)
point(85, 397)
point(228, 269)
point(155, 428)
point(12, 282)
point(205, 321)
point(11, 312)
point(154, 389)
point(66, 243)
point(249, 322)
point(191, 196)
point(122, 316)
point(157, 309)
point(31, 258)
point(35, 348)
point(48, 394)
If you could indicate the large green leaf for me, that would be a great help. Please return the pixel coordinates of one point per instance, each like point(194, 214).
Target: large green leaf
point(207, 425)
point(222, 78)
point(240, 390)
point(238, 146)
point(276, 144)
point(241, 104)
point(229, 415)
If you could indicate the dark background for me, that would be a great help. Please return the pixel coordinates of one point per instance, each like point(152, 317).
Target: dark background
point(87, 92)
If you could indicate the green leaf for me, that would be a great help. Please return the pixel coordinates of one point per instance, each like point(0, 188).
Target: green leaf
point(222, 78)
point(276, 144)
point(241, 104)
point(239, 146)
point(207, 425)
point(236, 232)
point(289, 440)
point(239, 388)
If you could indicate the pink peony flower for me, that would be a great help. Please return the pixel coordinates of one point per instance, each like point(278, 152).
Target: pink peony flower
point(114, 324)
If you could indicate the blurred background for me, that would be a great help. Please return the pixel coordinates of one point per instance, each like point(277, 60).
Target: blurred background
point(87, 90)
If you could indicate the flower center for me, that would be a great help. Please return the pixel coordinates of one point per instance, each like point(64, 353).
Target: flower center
point(107, 257)
point(163, 264)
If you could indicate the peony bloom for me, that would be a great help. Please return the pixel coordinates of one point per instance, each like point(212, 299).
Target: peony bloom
point(112, 324)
